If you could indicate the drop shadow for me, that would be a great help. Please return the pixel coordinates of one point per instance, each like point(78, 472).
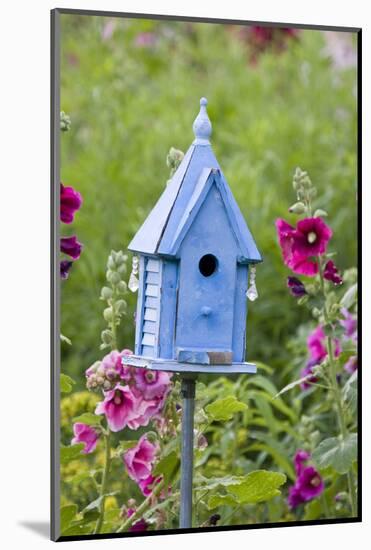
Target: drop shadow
point(42, 528)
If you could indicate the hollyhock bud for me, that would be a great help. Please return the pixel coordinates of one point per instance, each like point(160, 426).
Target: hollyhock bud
point(65, 267)
point(297, 208)
point(70, 202)
point(85, 434)
point(296, 287)
point(331, 273)
point(71, 247)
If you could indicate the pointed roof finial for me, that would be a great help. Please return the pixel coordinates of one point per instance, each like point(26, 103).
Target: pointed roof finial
point(202, 125)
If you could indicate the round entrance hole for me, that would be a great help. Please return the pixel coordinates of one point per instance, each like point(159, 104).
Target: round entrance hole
point(208, 265)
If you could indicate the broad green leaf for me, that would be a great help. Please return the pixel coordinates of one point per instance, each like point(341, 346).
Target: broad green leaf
point(66, 383)
point(167, 467)
point(95, 504)
point(224, 409)
point(221, 500)
point(89, 419)
point(257, 486)
point(67, 515)
point(208, 484)
point(70, 453)
point(336, 452)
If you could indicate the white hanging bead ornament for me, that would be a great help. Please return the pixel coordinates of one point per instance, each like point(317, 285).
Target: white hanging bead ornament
point(252, 291)
point(133, 281)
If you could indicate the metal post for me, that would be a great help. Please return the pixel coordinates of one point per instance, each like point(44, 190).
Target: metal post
point(188, 394)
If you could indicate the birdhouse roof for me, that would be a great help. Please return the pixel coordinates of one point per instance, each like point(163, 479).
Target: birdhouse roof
point(169, 221)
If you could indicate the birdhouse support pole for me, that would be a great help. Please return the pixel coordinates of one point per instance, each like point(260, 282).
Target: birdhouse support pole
point(188, 390)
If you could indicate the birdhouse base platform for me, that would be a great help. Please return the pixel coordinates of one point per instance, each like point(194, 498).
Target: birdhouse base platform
point(168, 365)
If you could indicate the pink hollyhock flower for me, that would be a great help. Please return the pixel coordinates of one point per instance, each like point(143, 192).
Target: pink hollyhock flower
point(311, 237)
point(71, 246)
point(146, 485)
point(138, 526)
point(145, 410)
point(331, 273)
point(139, 459)
point(85, 434)
point(308, 485)
point(349, 323)
point(113, 361)
point(65, 267)
point(316, 343)
point(70, 202)
point(296, 262)
point(152, 383)
point(118, 406)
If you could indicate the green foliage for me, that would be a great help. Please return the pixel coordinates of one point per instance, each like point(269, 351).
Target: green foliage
point(337, 452)
point(224, 409)
point(70, 453)
point(66, 383)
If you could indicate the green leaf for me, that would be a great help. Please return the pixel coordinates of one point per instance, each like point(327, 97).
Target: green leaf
point(66, 340)
point(66, 383)
point(350, 392)
point(292, 385)
point(89, 419)
point(167, 466)
point(338, 453)
point(257, 486)
point(350, 297)
point(221, 500)
point(224, 409)
point(70, 453)
point(208, 484)
point(67, 515)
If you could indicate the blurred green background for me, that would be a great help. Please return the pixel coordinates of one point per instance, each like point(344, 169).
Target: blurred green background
point(132, 89)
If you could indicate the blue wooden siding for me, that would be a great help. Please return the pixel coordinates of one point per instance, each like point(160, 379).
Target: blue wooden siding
point(147, 335)
point(240, 313)
point(169, 289)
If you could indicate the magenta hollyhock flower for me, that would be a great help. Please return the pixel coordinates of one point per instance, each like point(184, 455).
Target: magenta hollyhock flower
point(139, 459)
point(146, 485)
point(294, 497)
point(352, 364)
point(140, 525)
point(331, 273)
point(152, 383)
point(118, 406)
point(70, 202)
point(311, 237)
point(349, 323)
point(300, 458)
point(71, 246)
point(316, 343)
point(297, 262)
point(65, 267)
point(296, 287)
point(310, 483)
point(85, 434)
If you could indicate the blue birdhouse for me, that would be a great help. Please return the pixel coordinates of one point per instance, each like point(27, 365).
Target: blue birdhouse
point(195, 251)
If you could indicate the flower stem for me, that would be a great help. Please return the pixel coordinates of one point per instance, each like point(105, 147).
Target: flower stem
point(141, 509)
point(103, 489)
point(336, 391)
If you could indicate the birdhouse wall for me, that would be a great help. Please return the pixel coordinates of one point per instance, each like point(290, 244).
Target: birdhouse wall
point(148, 307)
point(211, 308)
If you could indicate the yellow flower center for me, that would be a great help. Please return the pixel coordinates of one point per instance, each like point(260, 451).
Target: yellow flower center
point(312, 237)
